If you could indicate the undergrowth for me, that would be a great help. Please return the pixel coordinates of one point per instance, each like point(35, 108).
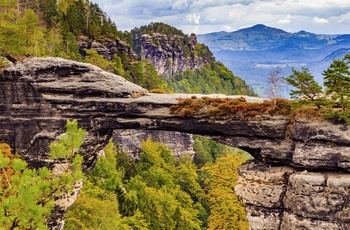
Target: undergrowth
point(239, 107)
point(217, 107)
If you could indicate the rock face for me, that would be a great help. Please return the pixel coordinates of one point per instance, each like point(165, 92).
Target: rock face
point(130, 141)
point(167, 56)
point(106, 48)
point(286, 198)
point(299, 179)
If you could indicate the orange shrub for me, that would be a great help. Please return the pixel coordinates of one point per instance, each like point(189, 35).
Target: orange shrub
point(226, 106)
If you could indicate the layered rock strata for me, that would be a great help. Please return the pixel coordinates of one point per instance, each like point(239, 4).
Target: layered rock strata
point(283, 197)
point(107, 48)
point(299, 179)
point(130, 141)
point(167, 56)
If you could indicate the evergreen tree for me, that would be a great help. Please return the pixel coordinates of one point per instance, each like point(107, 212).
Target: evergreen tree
point(54, 41)
point(337, 83)
point(12, 37)
point(27, 195)
point(97, 206)
point(34, 36)
point(49, 11)
point(306, 86)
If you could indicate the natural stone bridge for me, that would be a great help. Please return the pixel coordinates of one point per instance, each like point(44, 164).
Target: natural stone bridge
point(299, 179)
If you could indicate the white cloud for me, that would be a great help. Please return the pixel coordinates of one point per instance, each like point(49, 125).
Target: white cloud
point(193, 18)
point(342, 19)
point(320, 20)
point(319, 16)
point(285, 20)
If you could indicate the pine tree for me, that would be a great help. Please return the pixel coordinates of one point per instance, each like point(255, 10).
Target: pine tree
point(306, 86)
point(337, 82)
point(27, 196)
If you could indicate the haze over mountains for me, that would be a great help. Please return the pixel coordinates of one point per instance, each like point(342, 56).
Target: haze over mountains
point(252, 53)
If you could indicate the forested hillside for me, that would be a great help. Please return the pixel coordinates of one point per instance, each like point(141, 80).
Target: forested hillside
point(50, 27)
point(80, 30)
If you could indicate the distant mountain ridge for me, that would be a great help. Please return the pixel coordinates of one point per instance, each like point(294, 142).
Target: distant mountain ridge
point(253, 52)
point(261, 37)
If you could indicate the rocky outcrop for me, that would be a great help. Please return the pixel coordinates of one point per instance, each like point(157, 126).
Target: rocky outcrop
point(106, 48)
point(130, 141)
point(167, 55)
point(286, 198)
point(164, 52)
point(299, 179)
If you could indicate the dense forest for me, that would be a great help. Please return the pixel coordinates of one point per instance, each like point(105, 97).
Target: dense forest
point(161, 192)
point(156, 192)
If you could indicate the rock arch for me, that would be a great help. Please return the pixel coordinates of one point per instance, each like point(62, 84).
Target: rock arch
point(300, 177)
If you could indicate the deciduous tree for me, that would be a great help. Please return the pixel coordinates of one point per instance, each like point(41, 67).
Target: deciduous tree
point(275, 82)
point(226, 210)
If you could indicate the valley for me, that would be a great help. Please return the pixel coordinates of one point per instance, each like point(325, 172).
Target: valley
point(252, 53)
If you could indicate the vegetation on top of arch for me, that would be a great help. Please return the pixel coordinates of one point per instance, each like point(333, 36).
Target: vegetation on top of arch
point(310, 100)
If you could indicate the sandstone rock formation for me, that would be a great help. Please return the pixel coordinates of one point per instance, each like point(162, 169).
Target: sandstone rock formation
point(299, 179)
point(130, 141)
point(283, 197)
point(163, 52)
point(106, 48)
point(166, 56)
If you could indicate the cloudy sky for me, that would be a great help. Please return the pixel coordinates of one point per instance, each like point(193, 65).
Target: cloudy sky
point(205, 16)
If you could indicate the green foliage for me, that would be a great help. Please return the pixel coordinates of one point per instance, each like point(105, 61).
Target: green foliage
point(305, 85)
point(94, 58)
point(307, 89)
point(95, 208)
point(212, 78)
point(27, 197)
point(159, 27)
point(69, 143)
point(118, 65)
point(159, 190)
point(337, 83)
point(207, 151)
point(226, 210)
point(50, 27)
point(50, 11)
point(144, 74)
point(12, 36)
point(105, 174)
point(334, 103)
point(160, 194)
